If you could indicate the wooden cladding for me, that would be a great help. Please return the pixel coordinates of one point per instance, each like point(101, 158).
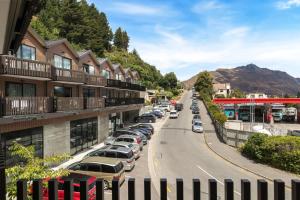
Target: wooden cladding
point(69, 75)
point(69, 103)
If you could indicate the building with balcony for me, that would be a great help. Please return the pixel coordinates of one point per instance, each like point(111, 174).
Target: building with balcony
point(61, 100)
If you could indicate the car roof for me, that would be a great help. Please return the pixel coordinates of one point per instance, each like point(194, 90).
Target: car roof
point(101, 160)
point(122, 143)
point(197, 120)
point(127, 136)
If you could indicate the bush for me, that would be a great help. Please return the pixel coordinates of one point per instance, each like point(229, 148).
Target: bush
point(282, 152)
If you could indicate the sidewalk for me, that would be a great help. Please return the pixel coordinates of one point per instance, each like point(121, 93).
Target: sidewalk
point(233, 156)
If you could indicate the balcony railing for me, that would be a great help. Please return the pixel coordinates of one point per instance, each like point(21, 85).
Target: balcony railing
point(22, 67)
point(113, 83)
point(124, 85)
point(68, 103)
point(94, 102)
point(110, 102)
point(26, 105)
point(68, 75)
point(95, 80)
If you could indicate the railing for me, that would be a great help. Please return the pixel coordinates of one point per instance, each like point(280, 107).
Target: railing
point(113, 83)
point(125, 85)
point(26, 105)
point(229, 189)
point(94, 102)
point(68, 75)
point(23, 67)
point(68, 103)
point(110, 102)
point(95, 80)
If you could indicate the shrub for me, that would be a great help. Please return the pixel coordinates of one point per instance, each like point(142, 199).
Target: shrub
point(282, 152)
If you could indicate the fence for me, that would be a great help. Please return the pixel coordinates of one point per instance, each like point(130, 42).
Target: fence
point(83, 193)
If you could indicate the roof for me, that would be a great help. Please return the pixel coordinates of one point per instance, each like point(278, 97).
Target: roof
point(84, 53)
point(36, 36)
point(118, 66)
point(105, 60)
point(52, 43)
point(101, 160)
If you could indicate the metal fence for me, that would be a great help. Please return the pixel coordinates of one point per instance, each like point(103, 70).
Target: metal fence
point(38, 192)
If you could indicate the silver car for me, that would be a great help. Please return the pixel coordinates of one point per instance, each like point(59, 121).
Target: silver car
point(197, 126)
point(134, 147)
point(131, 139)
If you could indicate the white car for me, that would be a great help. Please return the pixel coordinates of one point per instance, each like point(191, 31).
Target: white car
point(173, 114)
point(197, 127)
point(165, 107)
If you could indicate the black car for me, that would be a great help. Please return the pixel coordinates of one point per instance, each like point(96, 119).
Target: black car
point(147, 126)
point(146, 118)
point(179, 106)
point(157, 114)
point(195, 110)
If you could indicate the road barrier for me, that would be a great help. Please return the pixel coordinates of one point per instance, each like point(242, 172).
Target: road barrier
point(38, 192)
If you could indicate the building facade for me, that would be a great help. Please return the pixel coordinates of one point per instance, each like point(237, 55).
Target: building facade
point(222, 89)
point(60, 100)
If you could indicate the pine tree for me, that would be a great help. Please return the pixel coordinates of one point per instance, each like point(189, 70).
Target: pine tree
point(125, 40)
point(118, 38)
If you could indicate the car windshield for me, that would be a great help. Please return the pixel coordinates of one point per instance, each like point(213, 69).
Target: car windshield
point(198, 124)
point(173, 112)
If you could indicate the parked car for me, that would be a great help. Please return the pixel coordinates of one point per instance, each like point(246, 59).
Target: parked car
point(179, 106)
point(143, 131)
point(195, 110)
point(130, 138)
point(163, 113)
point(174, 114)
point(197, 126)
point(147, 126)
point(102, 168)
point(157, 113)
point(165, 107)
point(134, 147)
point(135, 132)
point(146, 118)
point(76, 177)
point(124, 154)
point(196, 117)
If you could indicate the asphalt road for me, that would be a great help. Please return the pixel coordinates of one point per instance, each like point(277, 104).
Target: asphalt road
point(177, 152)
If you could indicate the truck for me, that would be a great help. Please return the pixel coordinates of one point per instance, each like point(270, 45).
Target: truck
point(289, 114)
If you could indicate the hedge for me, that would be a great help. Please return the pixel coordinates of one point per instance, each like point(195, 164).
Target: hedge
point(282, 152)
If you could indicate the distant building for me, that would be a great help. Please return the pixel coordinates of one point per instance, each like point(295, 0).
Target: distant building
point(256, 96)
point(222, 89)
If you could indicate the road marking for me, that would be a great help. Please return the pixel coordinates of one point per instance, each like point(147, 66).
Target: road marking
point(215, 178)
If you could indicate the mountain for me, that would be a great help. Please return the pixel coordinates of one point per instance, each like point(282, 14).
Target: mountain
point(251, 78)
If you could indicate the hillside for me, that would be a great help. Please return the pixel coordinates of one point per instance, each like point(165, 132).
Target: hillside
point(251, 78)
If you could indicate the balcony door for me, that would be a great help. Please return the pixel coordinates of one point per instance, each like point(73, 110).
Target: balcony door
point(60, 91)
point(89, 92)
point(20, 90)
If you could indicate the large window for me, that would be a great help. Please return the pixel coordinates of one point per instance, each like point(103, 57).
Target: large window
point(20, 90)
point(28, 137)
point(26, 52)
point(62, 91)
point(106, 74)
point(84, 133)
point(62, 62)
point(89, 69)
point(89, 92)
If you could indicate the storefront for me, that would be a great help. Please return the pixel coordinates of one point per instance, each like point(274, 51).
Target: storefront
point(84, 133)
point(27, 137)
point(115, 122)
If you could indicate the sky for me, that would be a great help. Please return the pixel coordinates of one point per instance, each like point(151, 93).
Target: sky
point(189, 36)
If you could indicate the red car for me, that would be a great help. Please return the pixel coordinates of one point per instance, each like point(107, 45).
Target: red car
point(76, 177)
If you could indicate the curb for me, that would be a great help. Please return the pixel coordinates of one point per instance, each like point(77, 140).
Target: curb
point(237, 165)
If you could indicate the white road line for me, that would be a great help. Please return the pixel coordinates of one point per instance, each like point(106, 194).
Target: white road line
point(215, 178)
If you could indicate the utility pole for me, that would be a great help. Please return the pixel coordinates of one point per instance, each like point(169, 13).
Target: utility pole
point(2, 173)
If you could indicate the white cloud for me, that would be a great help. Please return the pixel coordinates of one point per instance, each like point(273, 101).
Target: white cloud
point(137, 9)
point(237, 32)
point(287, 4)
point(204, 6)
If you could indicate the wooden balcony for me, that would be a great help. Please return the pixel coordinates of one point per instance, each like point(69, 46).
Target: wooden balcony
point(94, 102)
point(113, 83)
point(95, 80)
point(67, 75)
point(26, 105)
point(15, 66)
point(68, 103)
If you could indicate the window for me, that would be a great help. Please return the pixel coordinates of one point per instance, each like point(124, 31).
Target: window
point(26, 52)
point(62, 62)
point(106, 74)
point(62, 91)
point(89, 69)
point(20, 90)
point(108, 169)
point(89, 92)
point(93, 167)
point(110, 154)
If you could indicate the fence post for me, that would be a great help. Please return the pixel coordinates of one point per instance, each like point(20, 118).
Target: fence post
point(131, 189)
point(197, 189)
point(37, 190)
point(229, 189)
point(68, 189)
point(245, 189)
point(52, 189)
point(147, 189)
point(21, 190)
point(295, 189)
point(279, 192)
point(212, 189)
point(163, 189)
point(84, 190)
point(99, 189)
point(115, 190)
point(262, 190)
point(179, 189)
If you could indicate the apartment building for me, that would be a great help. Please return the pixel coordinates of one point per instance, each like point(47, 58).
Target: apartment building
point(61, 100)
point(222, 89)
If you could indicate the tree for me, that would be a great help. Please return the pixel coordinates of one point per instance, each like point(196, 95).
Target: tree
point(204, 84)
point(34, 167)
point(237, 93)
point(125, 42)
point(121, 39)
point(169, 81)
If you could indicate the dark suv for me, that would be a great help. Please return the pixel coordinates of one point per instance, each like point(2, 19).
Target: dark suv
point(146, 118)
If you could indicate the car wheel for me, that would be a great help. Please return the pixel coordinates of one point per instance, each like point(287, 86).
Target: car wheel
point(106, 185)
point(150, 121)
